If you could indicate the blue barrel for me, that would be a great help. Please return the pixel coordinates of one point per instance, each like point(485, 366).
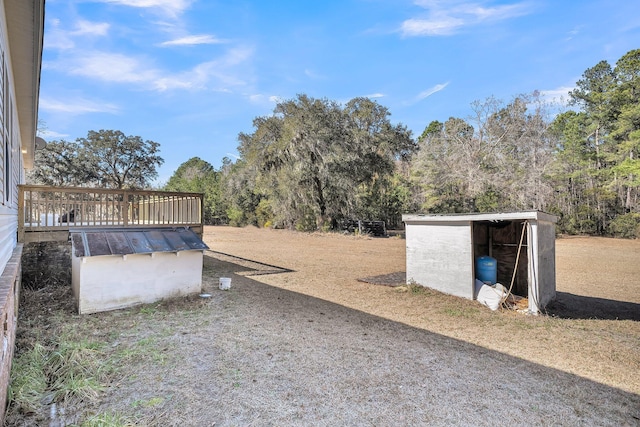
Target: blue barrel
point(487, 269)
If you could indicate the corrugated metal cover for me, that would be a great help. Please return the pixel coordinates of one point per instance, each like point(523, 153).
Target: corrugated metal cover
point(138, 241)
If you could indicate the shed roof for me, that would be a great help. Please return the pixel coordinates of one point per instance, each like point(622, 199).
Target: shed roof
point(470, 217)
point(92, 242)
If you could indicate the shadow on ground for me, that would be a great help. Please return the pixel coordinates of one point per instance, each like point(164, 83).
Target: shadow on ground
point(260, 355)
point(565, 305)
point(571, 306)
point(327, 364)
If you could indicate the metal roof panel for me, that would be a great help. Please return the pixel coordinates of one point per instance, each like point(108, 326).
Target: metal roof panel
point(87, 242)
point(97, 244)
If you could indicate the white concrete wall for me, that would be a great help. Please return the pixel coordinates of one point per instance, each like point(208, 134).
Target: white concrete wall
point(103, 283)
point(439, 256)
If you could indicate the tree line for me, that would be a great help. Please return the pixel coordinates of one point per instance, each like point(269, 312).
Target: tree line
point(314, 163)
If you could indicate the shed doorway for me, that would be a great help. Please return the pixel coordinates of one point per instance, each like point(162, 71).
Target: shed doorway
point(503, 240)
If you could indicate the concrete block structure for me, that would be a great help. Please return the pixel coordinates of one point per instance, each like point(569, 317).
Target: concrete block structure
point(442, 250)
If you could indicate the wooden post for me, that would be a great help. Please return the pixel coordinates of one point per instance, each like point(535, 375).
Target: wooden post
point(125, 200)
point(20, 214)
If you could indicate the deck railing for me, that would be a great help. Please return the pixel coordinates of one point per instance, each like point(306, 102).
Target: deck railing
point(48, 213)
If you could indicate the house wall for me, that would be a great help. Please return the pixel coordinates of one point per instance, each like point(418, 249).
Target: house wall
point(11, 170)
point(440, 256)
point(102, 283)
point(11, 175)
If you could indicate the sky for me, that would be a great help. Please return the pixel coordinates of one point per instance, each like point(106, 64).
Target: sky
point(192, 74)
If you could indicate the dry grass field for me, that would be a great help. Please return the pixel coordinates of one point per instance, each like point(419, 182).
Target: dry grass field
point(299, 340)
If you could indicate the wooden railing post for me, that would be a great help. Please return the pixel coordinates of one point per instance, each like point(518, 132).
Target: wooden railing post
point(66, 207)
point(20, 214)
point(125, 202)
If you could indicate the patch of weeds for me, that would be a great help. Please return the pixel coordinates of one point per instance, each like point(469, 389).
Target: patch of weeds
point(414, 288)
point(524, 324)
point(151, 349)
point(465, 312)
point(28, 380)
point(144, 349)
point(237, 377)
point(65, 370)
point(76, 370)
point(108, 419)
point(149, 309)
point(150, 403)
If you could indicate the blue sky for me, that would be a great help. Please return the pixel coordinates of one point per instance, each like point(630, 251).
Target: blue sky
point(192, 74)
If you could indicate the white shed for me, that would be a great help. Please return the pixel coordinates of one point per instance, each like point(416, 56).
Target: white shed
point(118, 268)
point(442, 251)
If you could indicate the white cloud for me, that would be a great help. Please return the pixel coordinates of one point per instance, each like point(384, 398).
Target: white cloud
point(427, 93)
point(172, 8)
point(222, 71)
point(572, 33)
point(434, 27)
point(75, 106)
point(193, 40)
point(63, 39)
point(83, 28)
point(221, 74)
point(447, 18)
point(312, 74)
point(558, 96)
point(50, 134)
point(374, 95)
point(112, 67)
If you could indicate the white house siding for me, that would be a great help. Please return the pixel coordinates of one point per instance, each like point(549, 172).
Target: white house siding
point(8, 233)
point(10, 156)
point(21, 29)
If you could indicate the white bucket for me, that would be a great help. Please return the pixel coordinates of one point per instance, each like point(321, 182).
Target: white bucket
point(225, 283)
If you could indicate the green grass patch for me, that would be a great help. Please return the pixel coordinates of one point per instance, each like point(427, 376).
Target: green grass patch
point(28, 380)
point(465, 312)
point(108, 419)
point(61, 371)
point(149, 403)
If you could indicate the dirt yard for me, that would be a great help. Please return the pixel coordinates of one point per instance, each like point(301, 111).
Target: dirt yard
point(299, 340)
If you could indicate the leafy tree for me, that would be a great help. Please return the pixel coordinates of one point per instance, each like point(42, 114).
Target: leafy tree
point(106, 158)
point(312, 157)
point(56, 165)
point(626, 129)
point(599, 149)
point(573, 173)
point(240, 193)
point(377, 149)
point(114, 160)
point(495, 160)
point(198, 176)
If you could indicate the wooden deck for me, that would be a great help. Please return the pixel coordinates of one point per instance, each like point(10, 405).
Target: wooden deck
point(48, 213)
